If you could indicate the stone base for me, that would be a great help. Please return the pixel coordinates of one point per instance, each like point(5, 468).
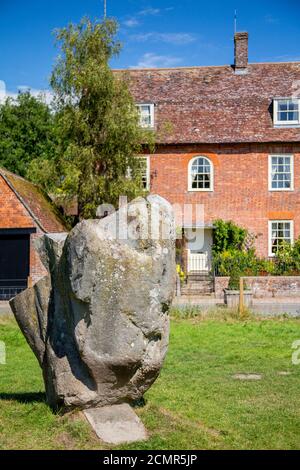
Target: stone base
point(232, 298)
point(117, 424)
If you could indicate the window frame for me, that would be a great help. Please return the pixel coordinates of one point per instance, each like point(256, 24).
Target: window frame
point(291, 222)
point(190, 182)
point(279, 123)
point(291, 156)
point(151, 106)
point(148, 174)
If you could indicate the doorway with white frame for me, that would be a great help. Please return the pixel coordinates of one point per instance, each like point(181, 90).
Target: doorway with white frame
point(199, 250)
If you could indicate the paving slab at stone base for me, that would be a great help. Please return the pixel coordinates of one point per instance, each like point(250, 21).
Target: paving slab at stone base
point(116, 424)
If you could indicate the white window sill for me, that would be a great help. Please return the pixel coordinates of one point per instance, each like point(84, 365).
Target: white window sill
point(200, 190)
point(279, 190)
point(287, 125)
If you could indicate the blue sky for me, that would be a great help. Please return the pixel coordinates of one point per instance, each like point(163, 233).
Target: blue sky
point(163, 33)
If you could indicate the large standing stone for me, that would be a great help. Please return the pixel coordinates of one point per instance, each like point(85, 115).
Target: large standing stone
point(98, 323)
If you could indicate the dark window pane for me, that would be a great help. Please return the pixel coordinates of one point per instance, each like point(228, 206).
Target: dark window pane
point(293, 105)
point(293, 116)
point(282, 116)
point(282, 105)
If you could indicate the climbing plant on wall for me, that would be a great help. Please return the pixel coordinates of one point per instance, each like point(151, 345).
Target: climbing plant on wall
point(228, 236)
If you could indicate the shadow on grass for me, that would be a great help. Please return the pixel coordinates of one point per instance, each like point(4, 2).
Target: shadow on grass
point(38, 397)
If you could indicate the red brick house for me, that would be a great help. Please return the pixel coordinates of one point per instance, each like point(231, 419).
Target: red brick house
point(228, 137)
point(25, 214)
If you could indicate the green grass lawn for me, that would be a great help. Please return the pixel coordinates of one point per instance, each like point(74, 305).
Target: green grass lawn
point(195, 404)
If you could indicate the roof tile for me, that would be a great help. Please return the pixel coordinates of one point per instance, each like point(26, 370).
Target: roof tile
point(215, 105)
point(37, 201)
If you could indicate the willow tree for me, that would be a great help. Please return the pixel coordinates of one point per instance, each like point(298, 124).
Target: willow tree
point(100, 136)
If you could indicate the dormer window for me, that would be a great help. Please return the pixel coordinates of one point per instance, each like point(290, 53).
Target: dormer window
point(287, 111)
point(146, 115)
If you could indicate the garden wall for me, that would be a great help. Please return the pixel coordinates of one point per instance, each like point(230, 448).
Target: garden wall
point(264, 286)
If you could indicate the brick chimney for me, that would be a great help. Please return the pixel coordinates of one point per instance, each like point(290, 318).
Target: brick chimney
point(241, 52)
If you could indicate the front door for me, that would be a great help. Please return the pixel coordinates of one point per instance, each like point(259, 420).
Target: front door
point(199, 245)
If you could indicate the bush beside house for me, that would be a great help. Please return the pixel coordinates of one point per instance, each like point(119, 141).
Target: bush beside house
point(234, 255)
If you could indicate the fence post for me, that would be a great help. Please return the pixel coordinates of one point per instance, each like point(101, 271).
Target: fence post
point(241, 304)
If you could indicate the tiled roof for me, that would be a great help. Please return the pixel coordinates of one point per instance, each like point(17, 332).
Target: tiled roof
point(36, 201)
point(216, 105)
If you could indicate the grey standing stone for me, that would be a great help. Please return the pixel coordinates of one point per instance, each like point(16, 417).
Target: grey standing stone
point(98, 323)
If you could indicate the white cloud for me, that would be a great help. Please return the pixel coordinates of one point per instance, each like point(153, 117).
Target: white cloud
point(149, 11)
point(47, 95)
point(287, 58)
point(4, 93)
point(170, 38)
point(131, 22)
point(134, 21)
point(153, 11)
point(152, 60)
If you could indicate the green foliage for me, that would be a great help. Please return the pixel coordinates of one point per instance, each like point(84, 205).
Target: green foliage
point(244, 262)
point(264, 267)
point(240, 259)
point(236, 263)
point(228, 236)
point(234, 280)
point(27, 132)
point(185, 312)
point(43, 172)
point(231, 255)
point(86, 147)
point(201, 313)
point(235, 256)
point(288, 258)
point(180, 273)
point(99, 135)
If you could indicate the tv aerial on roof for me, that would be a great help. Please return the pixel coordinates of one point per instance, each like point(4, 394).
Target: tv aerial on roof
point(235, 21)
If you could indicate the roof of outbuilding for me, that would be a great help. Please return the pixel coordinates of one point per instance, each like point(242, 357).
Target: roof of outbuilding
point(36, 202)
point(215, 104)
